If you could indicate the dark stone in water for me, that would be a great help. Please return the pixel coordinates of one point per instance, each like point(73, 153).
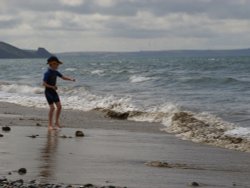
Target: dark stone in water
point(195, 184)
point(237, 140)
point(6, 128)
point(22, 171)
point(1, 135)
point(117, 115)
point(79, 134)
point(188, 119)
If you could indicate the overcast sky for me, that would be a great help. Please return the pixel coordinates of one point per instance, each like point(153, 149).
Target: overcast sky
point(125, 25)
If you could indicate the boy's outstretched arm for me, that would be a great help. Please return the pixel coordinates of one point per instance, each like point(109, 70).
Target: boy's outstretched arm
point(68, 78)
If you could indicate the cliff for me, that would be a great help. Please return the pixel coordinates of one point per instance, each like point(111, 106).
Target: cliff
point(8, 51)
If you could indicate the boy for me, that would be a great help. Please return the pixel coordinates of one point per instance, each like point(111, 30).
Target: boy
point(49, 82)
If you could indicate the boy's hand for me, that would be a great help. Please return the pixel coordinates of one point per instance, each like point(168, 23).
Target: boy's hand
point(54, 87)
point(68, 78)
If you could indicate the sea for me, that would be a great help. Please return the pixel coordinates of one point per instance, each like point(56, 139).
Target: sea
point(202, 99)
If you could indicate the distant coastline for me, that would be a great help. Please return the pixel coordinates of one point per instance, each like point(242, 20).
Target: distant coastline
point(8, 51)
point(164, 53)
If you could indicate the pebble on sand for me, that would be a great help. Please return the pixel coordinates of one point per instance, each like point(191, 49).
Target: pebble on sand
point(33, 136)
point(63, 136)
point(79, 134)
point(194, 184)
point(6, 128)
point(22, 171)
point(158, 164)
point(34, 184)
point(38, 125)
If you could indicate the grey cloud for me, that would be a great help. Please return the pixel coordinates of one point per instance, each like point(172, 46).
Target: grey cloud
point(212, 8)
point(27, 5)
point(125, 30)
point(123, 19)
point(10, 23)
point(117, 29)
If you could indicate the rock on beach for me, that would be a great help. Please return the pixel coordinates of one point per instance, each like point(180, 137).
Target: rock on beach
point(22, 171)
point(4, 182)
point(6, 128)
point(79, 134)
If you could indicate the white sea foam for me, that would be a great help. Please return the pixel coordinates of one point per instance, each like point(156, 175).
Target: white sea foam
point(72, 98)
point(202, 127)
point(16, 88)
point(88, 101)
point(159, 114)
point(239, 132)
point(70, 69)
point(97, 72)
point(137, 79)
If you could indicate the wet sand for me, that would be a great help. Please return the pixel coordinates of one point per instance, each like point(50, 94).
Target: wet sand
point(113, 152)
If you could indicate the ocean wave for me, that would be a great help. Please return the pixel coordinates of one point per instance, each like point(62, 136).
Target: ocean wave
point(199, 128)
point(138, 79)
point(213, 80)
point(239, 132)
point(70, 69)
point(125, 72)
point(75, 98)
point(89, 101)
point(22, 89)
point(97, 72)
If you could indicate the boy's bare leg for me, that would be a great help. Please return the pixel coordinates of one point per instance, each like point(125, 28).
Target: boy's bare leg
point(58, 112)
point(51, 113)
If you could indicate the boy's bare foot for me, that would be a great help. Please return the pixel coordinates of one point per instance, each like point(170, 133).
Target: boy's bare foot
point(50, 128)
point(58, 126)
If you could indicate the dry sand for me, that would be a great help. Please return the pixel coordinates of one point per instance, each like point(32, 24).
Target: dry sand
point(117, 152)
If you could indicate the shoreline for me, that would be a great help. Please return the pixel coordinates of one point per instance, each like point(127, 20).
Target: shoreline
point(13, 114)
point(118, 152)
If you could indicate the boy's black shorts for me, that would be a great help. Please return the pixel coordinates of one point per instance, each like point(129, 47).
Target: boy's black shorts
point(51, 96)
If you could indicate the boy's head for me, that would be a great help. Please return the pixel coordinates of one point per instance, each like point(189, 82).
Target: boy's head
point(54, 62)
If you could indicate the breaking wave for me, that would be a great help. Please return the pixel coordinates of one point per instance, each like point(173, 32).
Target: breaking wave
point(22, 89)
point(97, 72)
point(70, 69)
point(196, 127)
point(208, 129)
point(137, 79)
point(213, 80)
point(200, 128)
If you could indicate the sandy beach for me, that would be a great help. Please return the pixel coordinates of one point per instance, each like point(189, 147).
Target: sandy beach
point(113, 152)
